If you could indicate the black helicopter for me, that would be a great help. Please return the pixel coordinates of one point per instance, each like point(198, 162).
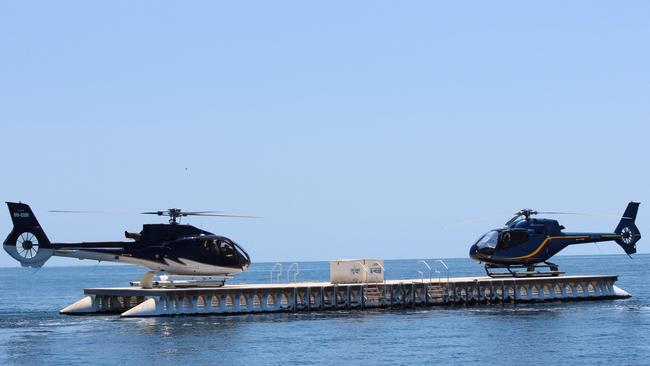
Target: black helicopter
point(172, 249)
point(524, 243)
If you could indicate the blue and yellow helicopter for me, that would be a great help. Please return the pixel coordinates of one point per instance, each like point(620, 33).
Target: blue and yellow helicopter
point(525, 243)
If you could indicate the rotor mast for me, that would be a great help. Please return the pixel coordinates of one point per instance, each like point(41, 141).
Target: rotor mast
point(175, 215)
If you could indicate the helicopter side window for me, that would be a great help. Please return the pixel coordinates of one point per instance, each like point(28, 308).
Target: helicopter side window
point(512, 238)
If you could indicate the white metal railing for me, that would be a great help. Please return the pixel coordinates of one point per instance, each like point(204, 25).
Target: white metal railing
point(419, 268)
point(276, 268)
point(444, 265)
point(295, 266)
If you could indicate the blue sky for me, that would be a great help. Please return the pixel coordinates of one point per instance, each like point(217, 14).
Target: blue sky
point(356, 129)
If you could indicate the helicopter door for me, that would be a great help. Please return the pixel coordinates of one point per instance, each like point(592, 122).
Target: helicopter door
point(511, 238)
point(214, 247)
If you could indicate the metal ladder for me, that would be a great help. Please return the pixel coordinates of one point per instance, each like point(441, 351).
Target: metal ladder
point(419, 268)
point(436, 292)
point(296, 268)
point(372, 293)
point(276, 268)
point(444, 266)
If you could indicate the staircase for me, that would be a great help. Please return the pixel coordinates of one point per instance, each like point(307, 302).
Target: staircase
point(436, 293)
point(373, 295)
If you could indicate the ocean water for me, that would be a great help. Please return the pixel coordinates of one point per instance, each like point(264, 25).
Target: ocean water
point(583, 333)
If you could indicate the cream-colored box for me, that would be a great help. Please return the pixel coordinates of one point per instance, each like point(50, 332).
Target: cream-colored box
point(357, 271)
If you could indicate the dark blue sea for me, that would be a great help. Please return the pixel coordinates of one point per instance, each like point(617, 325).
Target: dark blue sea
point(580, 333)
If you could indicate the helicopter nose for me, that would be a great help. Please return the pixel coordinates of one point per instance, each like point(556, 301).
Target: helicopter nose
point(244, 261)
point(473, 252)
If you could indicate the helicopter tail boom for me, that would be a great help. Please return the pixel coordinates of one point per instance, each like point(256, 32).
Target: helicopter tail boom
point(627, 231)
point(27, 242)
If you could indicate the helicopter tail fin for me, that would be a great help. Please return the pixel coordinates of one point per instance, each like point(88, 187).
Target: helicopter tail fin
point(629, 233)
point(27, 242)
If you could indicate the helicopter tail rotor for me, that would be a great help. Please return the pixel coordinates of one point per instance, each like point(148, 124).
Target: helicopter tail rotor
point(27, 242)
point(627, 230)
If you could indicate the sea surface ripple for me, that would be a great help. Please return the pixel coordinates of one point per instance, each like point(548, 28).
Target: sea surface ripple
point(580, 333)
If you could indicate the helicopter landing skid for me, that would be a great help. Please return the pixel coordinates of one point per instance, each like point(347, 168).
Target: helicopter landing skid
point(147, 281)
point(524, 271)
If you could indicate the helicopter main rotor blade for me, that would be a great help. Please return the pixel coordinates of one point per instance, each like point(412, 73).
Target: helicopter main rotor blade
point(89, 212)
point(513, 219)
point(159, 213)
point(577, 214)
point(184, 212)
point(475, 220)
point(220, 215)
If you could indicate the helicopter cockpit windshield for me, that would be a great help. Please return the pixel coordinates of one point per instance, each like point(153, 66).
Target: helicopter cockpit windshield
point(488, 241)
point(229, 250)
point(501, 239)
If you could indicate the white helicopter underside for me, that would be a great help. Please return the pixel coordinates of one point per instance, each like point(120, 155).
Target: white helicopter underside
point(182, 267)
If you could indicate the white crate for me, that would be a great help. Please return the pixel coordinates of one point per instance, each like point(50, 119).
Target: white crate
point(357, 271)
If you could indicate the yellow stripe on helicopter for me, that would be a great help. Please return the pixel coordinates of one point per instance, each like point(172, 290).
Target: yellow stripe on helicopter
point(546, 241)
